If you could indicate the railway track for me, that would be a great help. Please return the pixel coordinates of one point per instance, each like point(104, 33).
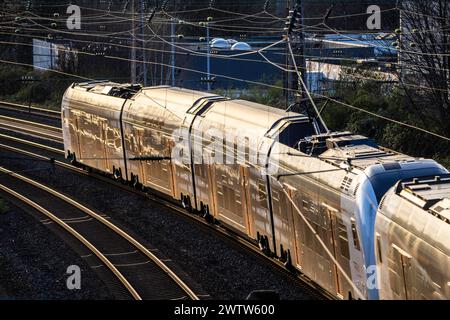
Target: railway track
point(244, 244)
point(140, 272)
point(31, 128)
point(30, 110)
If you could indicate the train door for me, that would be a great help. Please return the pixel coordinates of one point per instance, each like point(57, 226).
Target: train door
point(325, 223)
point(137, 167)
point(230, 196)
point(173, 170)
point(295, 256)
point(103, 139)
point(338, 245)
point(87, 140)
point(283, 223)
point(312, 258)
point(246, 200)
point(400, 269)
point(157, 173)
point(75, 133)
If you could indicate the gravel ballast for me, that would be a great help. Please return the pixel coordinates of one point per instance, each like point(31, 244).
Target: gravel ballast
point(34, 261)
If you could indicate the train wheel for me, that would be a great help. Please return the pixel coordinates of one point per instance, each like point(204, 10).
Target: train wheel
point(135, 181)
point(184, 202)
point(283, 255)
point(118, 175)
point(264, 245)
point(288, 262)
point(206, 215)
point(72, 159)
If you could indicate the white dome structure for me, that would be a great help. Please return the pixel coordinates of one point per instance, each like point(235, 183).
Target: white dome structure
point(220, 43)
point(215, 39)
point(241, 46)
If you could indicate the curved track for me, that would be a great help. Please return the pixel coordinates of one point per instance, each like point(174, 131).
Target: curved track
point(140, 272)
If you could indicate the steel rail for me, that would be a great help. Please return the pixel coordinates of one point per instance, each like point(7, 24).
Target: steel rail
point(30, 109)
point(111, 226)
point(32, 144)
point(74, 233)
point(31, 123)
point(32, 128)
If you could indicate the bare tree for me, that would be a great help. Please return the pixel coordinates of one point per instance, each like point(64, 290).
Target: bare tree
point(425, 58)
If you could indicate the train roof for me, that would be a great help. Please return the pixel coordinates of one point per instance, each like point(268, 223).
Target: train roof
point(240, 114)
point(356, 151)
point(108, 88)
point(363, 156)
point(428, 193)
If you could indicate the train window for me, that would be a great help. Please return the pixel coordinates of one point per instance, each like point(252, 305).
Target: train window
point(380, 259)
point(343, 240)
point(309, 238)
point(262, 197)
point(345, 252)
point(229, 199)
point(200, 171)
point(355, 235)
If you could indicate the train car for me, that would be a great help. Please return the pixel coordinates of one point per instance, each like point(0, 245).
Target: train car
point(92, 128)
point(310, 199)
point(335, 182)
point(412, 240)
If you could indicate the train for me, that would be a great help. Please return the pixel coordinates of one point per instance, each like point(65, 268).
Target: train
point(413, 240)
point(324, 203)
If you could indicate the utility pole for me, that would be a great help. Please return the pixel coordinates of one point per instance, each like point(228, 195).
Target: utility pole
point(133, 43)
point(287, 61)
point(208, 60)
point(172, 51)
point(138, 56)
point(297, 38)
point(144, 55)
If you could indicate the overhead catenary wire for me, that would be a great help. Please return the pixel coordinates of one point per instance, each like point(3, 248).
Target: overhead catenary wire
point(261, 84)
point(305, 87)
point(232, 78)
